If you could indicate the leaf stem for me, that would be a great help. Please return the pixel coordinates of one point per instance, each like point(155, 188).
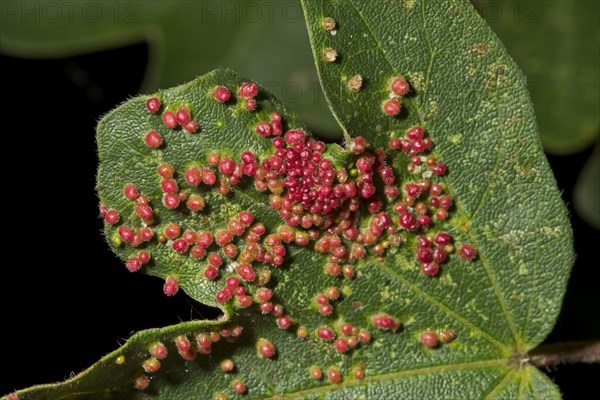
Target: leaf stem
point(566, 353)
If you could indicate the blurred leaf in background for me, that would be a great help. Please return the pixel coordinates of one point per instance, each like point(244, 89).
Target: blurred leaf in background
point(264, 40)
point(556, 44)
point(587, 190)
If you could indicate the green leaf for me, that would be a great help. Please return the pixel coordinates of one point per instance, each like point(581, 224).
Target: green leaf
point(499, 305)
point(184, 39)
point(472, 99)
point(556, 44)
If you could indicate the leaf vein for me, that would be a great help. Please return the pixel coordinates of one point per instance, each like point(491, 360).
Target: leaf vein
point(494, 390)
point(393, 375)
point(443, 307)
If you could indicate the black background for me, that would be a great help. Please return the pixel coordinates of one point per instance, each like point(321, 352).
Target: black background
point(67, 300)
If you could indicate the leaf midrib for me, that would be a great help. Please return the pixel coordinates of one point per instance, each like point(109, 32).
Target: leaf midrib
point(392, 375)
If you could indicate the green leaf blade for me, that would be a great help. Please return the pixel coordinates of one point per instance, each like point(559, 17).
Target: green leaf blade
point(471, 97)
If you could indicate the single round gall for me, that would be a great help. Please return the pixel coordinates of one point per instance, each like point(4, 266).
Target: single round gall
point(329, 54)
point(227, 365)
point(265, 348)
point(153, 104)
point(191, 126)
point(430, 268)
point(328, 24)
point(341, 345)
point(399, 86)
point(169, 119)
point(248, 89)
point(153, 139)
point(392, 107)
point(221, 94)
point(133, 264)
point(467, 252)
point(334, 375)
point(316, 373)
point(130, 192)
point(171, 286)
point(159, 351)
point(239, 386)
point(428, 339)
point(151, 365)
point(182, 115)
point(325, 333)
point(111, 217)
point(141, 382)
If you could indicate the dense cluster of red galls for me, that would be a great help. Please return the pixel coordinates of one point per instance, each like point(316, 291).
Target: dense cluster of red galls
point(321, 200)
